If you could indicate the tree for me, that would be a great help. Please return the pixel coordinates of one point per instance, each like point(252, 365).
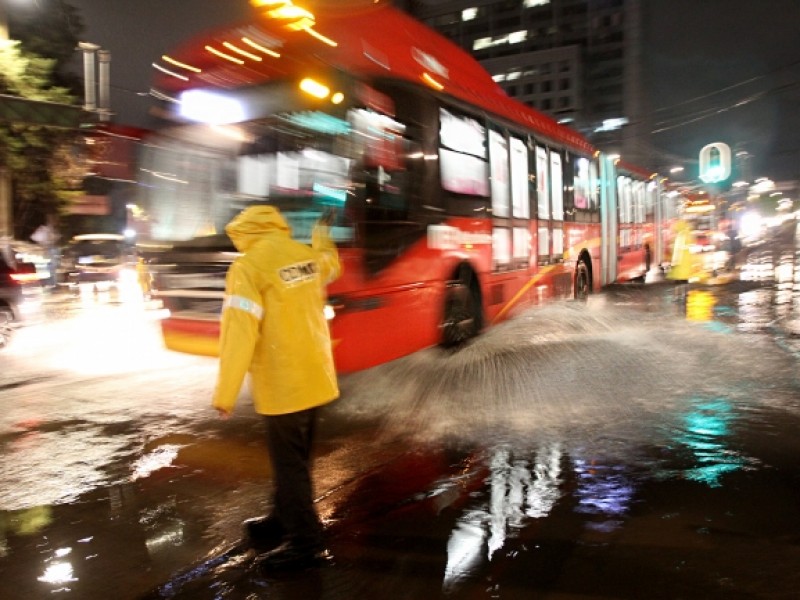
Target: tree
point(53, 33)
point(44, 165)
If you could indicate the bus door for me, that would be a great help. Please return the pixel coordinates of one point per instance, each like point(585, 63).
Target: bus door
point(631, 245)
point(550, 214)
point(549, 207)
point(608, 220)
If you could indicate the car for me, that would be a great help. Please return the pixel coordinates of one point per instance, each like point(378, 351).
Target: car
point(16, 280)
point(96, 258)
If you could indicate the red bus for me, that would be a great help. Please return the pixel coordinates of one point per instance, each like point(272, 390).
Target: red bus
point(456, 206)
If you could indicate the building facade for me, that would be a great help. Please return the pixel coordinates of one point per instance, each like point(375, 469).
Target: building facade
point(579, 61)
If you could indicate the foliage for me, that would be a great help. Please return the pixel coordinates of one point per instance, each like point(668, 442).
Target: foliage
point(52, 31)
point(43, 180)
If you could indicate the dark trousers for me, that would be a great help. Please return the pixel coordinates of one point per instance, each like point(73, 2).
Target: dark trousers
point(289, 440)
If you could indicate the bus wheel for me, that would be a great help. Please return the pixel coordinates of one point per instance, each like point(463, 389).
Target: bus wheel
point(583, 282)
point(462, 319)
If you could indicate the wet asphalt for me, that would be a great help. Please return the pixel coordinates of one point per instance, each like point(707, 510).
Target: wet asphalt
point(644, 445)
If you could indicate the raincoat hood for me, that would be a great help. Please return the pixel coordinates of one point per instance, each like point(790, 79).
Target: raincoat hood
point(252, 223)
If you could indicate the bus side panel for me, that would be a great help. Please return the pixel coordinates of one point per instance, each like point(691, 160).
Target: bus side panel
point(385, 325)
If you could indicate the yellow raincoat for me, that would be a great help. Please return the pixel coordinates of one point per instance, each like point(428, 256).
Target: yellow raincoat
point(273, 324)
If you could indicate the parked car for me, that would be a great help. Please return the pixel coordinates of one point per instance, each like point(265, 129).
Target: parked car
point(16, 279)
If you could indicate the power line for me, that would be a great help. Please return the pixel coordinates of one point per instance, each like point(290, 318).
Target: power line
point(730, 87)
point(710, 112)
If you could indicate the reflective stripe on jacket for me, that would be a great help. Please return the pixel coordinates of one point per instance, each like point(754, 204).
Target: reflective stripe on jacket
point(273, 323)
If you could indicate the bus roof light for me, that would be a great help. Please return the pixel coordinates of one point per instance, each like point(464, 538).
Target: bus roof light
point(315, 88)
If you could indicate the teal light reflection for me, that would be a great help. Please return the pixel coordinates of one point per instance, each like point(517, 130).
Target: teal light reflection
point(704, 435)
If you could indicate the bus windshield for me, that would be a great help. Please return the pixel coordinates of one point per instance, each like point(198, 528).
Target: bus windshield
point(196, 178)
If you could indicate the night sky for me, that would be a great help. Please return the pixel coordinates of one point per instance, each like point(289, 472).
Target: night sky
point(749, 49)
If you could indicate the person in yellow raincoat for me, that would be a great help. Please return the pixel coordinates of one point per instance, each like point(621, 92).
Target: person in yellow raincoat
point(274, 328)
point(685, 264)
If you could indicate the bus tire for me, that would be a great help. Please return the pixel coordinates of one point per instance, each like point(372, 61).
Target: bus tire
point(583, 281)
point(462, 313)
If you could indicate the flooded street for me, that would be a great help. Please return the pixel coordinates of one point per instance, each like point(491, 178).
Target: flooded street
point(644, 445)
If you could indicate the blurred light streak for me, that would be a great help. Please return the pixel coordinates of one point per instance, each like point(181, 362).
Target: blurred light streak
point(242, 52)
point(320, 37)
point(222, 55)
point(260, 48)
point(170, 73)
point(177, 63)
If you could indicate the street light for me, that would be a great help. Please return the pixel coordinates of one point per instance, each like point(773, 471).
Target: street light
point(4, 35)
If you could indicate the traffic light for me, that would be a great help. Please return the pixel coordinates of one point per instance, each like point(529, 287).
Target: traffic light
point(715, 162)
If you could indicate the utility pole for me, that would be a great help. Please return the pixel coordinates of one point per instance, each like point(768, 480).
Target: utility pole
point(92, 56)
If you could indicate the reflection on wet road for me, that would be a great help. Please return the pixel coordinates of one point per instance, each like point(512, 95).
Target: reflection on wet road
point(642, 446)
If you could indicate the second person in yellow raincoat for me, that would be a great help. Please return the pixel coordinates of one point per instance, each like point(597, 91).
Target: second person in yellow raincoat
point(274, 328)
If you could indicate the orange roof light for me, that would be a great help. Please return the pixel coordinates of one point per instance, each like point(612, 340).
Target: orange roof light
point(314, 88)
point(260, 48)
point(177, 63)
point(241, 52)
point(432, 82)
point(227, 57)
point(320, 37)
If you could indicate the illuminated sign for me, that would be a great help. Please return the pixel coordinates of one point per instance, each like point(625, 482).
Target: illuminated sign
point(715, 162)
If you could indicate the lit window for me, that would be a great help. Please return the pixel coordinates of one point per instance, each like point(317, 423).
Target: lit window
point(481, 43)
point(534, 3)
point(513, 75)
point(517, 37)
point(468, 14)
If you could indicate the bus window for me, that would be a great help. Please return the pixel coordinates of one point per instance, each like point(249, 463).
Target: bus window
point(542, 183)
point(520, 198)
point(501, 247)
point(583, 190)
point(543, 247)
point(462, 155)
point(594, 186)
point(651, 197)
point(387, 174)
point(625, 199)
point(382, 147)
point(195, 179)
point(557, 186)
point(639, 198)
point(521, 245)
point(498, 155)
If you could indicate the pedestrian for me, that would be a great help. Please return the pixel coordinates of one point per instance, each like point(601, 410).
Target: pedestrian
point(274, 327)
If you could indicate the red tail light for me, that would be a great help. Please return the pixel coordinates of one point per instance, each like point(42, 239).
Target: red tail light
point(24, 277)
